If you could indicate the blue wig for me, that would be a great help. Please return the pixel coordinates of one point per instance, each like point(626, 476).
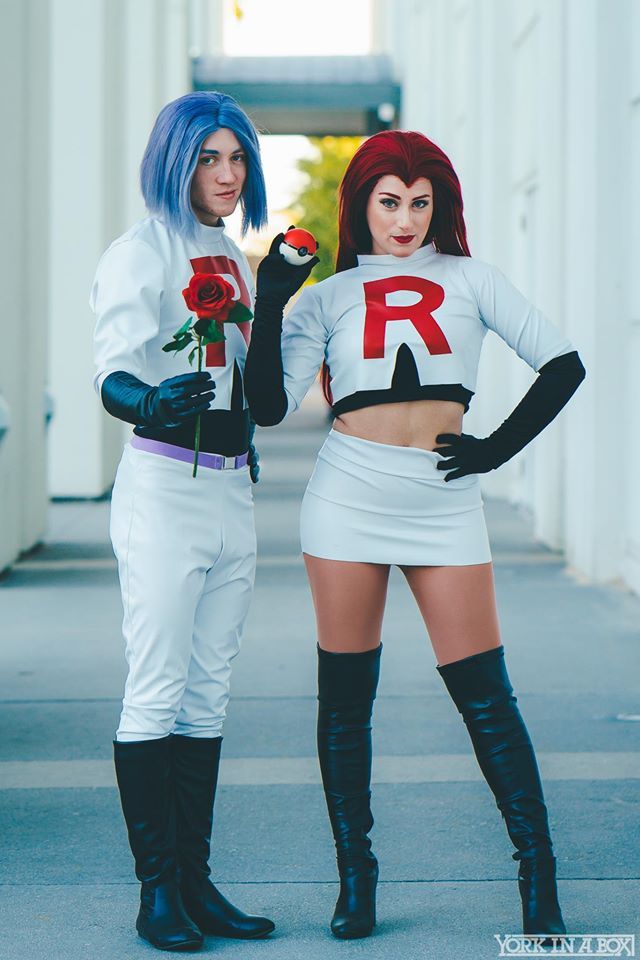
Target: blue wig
point(172, 152)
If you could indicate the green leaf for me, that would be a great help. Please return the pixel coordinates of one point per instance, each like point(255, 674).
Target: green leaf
point(239, 314)
point(214, 334)
point(192, 355)
point(184, 328)
point(177, 344)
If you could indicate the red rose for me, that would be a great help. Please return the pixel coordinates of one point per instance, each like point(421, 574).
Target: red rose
point(210, 296)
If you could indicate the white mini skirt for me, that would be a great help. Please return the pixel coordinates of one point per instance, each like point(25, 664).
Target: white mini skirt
point(378, 503)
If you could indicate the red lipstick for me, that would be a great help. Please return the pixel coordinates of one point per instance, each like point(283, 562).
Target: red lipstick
point(404, 239)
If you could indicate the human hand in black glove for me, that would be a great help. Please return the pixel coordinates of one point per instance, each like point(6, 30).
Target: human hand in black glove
point(254, 456)
point(277, 280)
point(466, 454)
point(185, 396)
point(168, 405)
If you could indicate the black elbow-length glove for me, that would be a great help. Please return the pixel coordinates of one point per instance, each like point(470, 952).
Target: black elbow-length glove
point(168, 405)
point(556, 383)
point(277, 281)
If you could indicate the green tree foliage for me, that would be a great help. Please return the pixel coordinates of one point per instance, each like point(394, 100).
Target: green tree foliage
point(316, 206)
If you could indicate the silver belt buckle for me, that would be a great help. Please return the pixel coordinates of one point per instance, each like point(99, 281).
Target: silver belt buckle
point(228, 463)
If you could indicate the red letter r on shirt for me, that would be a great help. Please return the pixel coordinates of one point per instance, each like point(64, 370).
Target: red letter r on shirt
point(378, 313)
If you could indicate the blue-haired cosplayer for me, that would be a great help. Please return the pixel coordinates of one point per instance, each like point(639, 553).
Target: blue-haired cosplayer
point(185, 546)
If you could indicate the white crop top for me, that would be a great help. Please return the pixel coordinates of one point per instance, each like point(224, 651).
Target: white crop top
point(439, 305)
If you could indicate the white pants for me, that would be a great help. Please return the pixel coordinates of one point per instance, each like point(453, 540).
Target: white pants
point(186, 551)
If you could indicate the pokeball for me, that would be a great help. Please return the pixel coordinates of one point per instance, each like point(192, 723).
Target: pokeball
point(298, 246)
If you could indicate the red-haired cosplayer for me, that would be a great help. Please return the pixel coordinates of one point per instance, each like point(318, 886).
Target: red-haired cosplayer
point(399, 329)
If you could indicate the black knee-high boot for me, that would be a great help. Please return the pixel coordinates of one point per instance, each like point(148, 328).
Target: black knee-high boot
point(195, 772)
point(347, 684)
point(480, 688)
point(143, 771)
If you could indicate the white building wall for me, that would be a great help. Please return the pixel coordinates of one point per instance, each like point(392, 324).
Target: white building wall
point(631, 526)
point(206, 20)
point(80, 159)
point(82, 82)
point(599, 218)
point(538, 105)
point(24, 272)
point(128, 60)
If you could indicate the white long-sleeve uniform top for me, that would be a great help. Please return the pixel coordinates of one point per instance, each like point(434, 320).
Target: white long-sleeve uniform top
point(138, 302)
point(440, 305)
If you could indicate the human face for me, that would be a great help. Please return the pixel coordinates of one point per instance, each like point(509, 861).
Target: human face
point(219, 177)
point(398, 216)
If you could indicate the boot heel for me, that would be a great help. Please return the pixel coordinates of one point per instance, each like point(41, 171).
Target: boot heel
point(541, 912)
point(355, 913)
point(162, 920)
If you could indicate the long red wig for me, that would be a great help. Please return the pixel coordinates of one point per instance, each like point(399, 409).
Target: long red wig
point(408, 155)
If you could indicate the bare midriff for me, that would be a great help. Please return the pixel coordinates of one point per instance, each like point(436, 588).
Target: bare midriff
point(412, 423)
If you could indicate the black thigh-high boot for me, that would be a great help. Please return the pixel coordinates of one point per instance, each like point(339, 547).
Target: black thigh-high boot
point(480, 688)
point(195, 770)
point(143, 771)
point(347, 684)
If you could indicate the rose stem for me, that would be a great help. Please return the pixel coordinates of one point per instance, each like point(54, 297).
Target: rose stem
point(196, 448)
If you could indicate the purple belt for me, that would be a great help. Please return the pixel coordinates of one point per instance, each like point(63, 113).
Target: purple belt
point(214, 461)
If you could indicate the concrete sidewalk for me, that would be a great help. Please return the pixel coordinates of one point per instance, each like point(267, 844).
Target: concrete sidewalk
point(447, 880)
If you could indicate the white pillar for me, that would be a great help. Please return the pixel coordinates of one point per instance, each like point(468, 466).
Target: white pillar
point(598, 55)
point(488, 214)
point(529, 122)
point(114, 64)
point(548, 476)
point(175, 65)
point(206, 27)
point(79, 165)
point(631, 544)
point(24, 272)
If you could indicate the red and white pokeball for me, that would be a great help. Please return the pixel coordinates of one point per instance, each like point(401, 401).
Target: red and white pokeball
point(298, 246)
